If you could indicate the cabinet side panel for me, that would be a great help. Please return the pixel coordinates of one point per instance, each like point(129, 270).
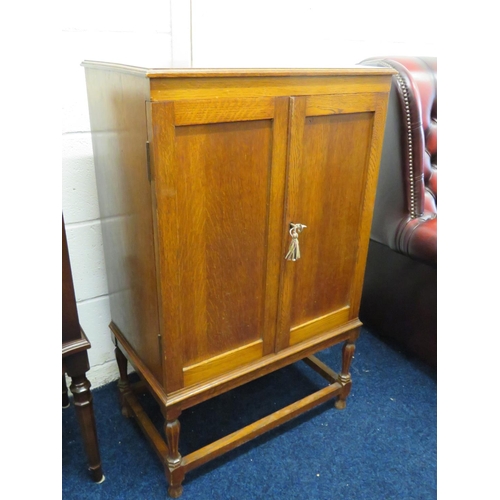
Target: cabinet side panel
point(119, 135)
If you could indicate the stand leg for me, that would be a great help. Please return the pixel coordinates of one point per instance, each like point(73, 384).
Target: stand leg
point(80, 387)
point(65, 398)
point(123, 383)
point(174, 469)
point(345, 376)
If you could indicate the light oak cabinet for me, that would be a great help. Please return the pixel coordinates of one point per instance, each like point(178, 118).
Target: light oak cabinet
point(202, 177)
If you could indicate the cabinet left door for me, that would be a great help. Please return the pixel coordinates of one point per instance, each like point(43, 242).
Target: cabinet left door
point(218, 174)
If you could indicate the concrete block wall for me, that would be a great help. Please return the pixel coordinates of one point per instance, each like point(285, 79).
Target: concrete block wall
point(113, 31)
point(199, 33)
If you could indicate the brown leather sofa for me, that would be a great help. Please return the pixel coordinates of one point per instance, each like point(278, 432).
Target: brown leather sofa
point(400, 289)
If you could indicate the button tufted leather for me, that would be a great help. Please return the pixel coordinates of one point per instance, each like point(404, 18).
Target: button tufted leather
point(408, 223)
point(400, 287)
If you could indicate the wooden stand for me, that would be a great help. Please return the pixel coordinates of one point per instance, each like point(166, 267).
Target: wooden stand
point(75, 363)
point(167, 448)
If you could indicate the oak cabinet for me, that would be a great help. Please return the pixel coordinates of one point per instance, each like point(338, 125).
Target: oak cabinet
point(236, 208)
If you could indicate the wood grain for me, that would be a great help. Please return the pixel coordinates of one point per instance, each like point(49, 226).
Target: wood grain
point(153, 384)
point(71, 330)
point(261, 86)
point(166, 232)
point(202, 297)
point(224, 176)
point(327, 197)
point(204, 111)
point(329, 157)
point(251, 431)
point(223, 363)
point(74, 346)
point(276, 214)
point(319, 325)
point(341, 104)
point(154, 437)
point(319, 367)
point(233, 72)
point(294, 159)
point(218, 196)
point(192, 395)
point(75, 364)
point(119, 135)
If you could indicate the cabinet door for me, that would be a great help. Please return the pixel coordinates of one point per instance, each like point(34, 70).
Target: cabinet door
point(219, 175)
point(334, 152)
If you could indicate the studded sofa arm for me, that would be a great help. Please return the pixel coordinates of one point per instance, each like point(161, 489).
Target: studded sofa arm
point(405, 215)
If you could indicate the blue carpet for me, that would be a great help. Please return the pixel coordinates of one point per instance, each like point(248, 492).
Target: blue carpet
point(382, 446)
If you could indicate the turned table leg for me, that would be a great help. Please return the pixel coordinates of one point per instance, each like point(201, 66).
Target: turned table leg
point(65, 397)
point(345, 376)
point(123, 382)
point(80, 388)
point(174, 469)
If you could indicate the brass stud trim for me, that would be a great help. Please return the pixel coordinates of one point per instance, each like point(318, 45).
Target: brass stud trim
point(404, 90)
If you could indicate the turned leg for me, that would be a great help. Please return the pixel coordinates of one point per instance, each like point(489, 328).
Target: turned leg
point(80, 387)
point(174, 469)
point(65, 397)
point(123, 382)
point(345, 376)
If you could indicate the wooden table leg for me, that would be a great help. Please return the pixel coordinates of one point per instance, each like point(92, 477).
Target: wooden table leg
point(345, 377)
point(174, 470)
point(65, 397)
point(80, 388)
point(123, 382)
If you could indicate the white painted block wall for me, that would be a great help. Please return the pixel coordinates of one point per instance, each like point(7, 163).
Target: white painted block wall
point(201, 33)
point(116, 31)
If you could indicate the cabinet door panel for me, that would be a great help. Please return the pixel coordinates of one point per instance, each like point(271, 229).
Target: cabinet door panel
point(222, 189)
point(334, 142)
point(219, 192)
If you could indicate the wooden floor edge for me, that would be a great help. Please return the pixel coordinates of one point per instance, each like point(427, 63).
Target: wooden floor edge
point(237, 438)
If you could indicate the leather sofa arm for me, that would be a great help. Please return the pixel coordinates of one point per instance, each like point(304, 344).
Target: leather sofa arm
point(405, 214)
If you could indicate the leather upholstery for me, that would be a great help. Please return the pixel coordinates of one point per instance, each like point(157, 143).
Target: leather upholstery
point(411, 226)
point(399, 294)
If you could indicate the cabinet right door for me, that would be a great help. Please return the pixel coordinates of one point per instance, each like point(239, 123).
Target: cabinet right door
point(334, 153)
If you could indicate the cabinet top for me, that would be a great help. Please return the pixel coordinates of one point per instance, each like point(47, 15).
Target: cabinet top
point(236, 72)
